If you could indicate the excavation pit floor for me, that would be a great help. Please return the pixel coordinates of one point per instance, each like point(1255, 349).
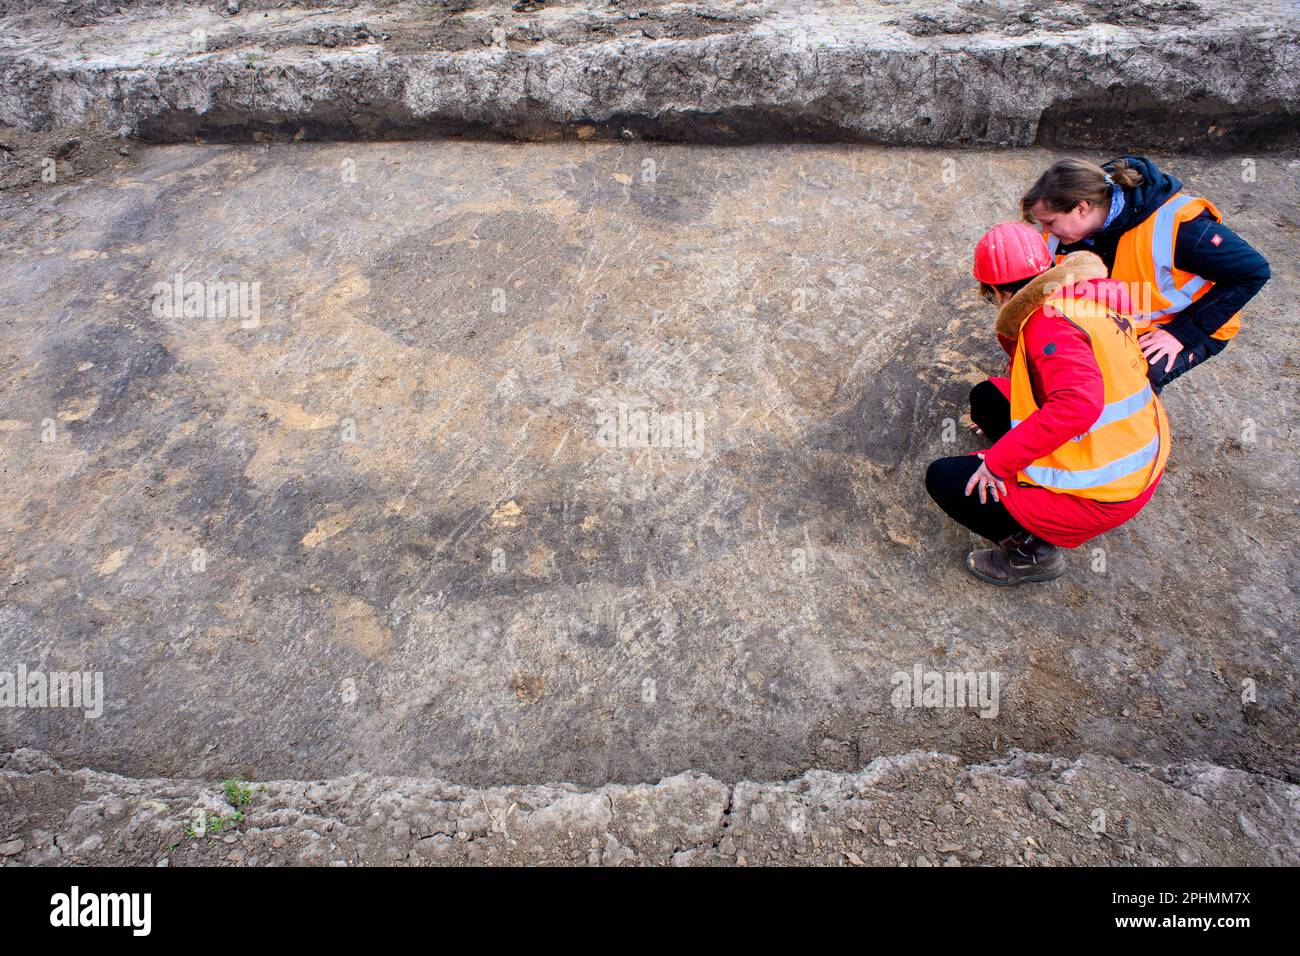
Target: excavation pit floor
point(397, 516)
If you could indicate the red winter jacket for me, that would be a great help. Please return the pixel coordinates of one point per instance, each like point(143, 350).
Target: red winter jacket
point(1068, 388)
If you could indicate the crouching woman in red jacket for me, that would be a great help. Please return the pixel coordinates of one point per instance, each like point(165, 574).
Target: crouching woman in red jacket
point(1079, 437)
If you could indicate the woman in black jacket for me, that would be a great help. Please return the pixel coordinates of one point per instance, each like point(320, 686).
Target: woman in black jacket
point(1133, 216)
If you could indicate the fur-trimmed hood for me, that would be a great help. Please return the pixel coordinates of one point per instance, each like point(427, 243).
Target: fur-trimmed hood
point(1074, 268)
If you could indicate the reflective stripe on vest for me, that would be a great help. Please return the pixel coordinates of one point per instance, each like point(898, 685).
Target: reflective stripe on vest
point(1052, 244)
point(1076, 480)
point(1145, 261)
point(1162, 254)
point(1114, 411)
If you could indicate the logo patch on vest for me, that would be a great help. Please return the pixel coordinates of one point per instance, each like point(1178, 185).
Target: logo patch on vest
point(1049, 348)
point(1216, 239)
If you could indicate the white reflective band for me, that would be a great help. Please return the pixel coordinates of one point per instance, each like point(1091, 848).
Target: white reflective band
point(1052, 243)
point(1116, 411)
point(1123, 408)
point(1162, 255)
point(1094, 477)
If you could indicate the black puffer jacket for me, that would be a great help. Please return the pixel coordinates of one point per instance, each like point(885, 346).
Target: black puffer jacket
point(1203, 247)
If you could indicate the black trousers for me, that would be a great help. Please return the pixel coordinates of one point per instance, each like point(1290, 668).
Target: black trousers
point(1185, 361)
point(946, 478)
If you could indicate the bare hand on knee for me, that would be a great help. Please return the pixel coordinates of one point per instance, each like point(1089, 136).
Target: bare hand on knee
point(988, 483)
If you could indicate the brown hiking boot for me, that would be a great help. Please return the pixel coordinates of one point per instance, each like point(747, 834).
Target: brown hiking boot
point(1019, 559)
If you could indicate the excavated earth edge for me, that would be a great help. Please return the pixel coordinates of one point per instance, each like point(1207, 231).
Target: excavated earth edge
point(1202, 75)
point(917, 809)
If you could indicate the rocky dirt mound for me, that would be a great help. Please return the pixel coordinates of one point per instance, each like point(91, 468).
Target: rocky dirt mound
point(1179, 73)
point(917, 809)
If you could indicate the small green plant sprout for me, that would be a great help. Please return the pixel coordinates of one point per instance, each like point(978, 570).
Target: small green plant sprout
point(238, 793)
point(207, 824)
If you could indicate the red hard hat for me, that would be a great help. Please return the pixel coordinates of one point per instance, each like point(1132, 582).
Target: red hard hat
point(1011, 251)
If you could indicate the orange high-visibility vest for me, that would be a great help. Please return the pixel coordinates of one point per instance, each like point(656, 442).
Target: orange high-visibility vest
point(1125, 449)
point(1144, 260)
